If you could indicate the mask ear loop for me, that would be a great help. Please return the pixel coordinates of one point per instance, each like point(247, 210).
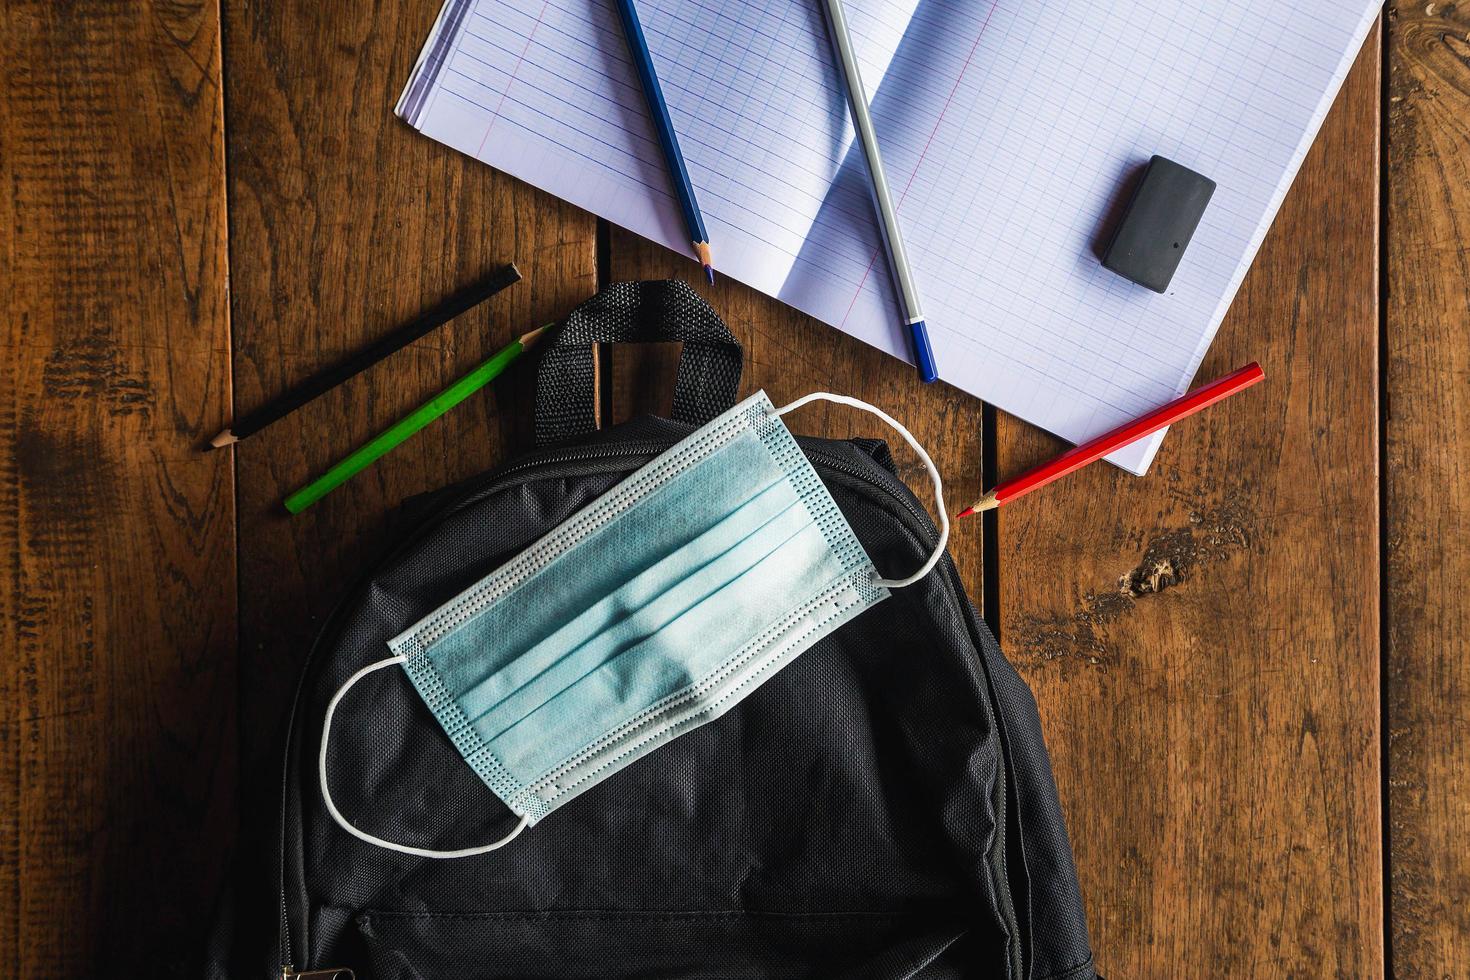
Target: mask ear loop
point(928, 566)
point(363, 835)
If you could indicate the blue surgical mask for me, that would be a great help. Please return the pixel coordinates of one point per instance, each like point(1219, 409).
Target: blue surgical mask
point(654, 610)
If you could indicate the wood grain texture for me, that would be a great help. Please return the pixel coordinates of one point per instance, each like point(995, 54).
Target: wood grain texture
point(1427, 486)
point(789, 354)
point(117, 629)
point(1204, 641)
point(345, 223)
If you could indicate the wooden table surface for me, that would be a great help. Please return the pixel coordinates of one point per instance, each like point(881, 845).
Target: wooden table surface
point(1250, 664)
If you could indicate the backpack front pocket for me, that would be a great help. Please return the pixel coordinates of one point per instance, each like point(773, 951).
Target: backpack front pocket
point(604, 945)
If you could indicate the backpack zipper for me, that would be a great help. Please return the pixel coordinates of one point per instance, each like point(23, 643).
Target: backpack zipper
point(498, 479)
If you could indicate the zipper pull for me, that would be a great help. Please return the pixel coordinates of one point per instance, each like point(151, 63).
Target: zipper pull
point(334, 973)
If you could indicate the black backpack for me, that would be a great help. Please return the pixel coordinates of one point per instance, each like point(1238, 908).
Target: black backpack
point(882, 807)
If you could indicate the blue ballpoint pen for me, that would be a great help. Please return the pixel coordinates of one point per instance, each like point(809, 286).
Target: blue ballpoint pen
point(898, 262)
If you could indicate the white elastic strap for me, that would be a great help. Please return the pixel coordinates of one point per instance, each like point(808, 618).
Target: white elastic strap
point(364, 835)
point(928, 566)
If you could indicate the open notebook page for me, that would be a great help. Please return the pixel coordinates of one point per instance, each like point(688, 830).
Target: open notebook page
point(544, 90)
point(1008, 130)
point(1012, 127)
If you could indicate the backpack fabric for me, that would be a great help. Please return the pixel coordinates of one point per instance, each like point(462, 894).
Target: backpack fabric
point(882, 807)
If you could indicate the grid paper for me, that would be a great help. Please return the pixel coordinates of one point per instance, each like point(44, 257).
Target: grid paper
point(1008, 129)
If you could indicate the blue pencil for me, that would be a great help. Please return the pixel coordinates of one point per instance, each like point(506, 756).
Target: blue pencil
point(664, 127)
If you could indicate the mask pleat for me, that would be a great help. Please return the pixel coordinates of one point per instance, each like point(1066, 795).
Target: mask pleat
point(642, 620)
point(625, 668)
point(529, 665)
point(674, 514)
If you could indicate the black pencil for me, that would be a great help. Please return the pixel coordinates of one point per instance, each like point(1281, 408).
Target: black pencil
point(326, 380)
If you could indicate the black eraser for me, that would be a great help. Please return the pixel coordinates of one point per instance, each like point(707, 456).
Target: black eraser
point(1158, 223)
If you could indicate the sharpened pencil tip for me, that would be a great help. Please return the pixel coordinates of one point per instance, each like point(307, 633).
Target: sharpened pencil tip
point(527, 339)
point(987, 502)
point(225, 438)
point(706, 259)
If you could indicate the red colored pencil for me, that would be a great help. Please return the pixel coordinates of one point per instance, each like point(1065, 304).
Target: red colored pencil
point(1079, 456)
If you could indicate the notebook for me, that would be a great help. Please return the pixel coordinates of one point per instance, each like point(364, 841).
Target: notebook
point(1009, 130)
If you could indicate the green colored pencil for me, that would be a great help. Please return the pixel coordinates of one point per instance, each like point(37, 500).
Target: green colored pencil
point(391, 437)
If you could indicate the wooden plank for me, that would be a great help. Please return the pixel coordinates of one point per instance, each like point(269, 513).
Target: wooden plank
point(344, 224)
point(790, 354)
point(117, 610)
point(1203, 642)
point(1427, 486)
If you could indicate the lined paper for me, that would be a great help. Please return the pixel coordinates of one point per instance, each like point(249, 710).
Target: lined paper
point(1008, 130)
